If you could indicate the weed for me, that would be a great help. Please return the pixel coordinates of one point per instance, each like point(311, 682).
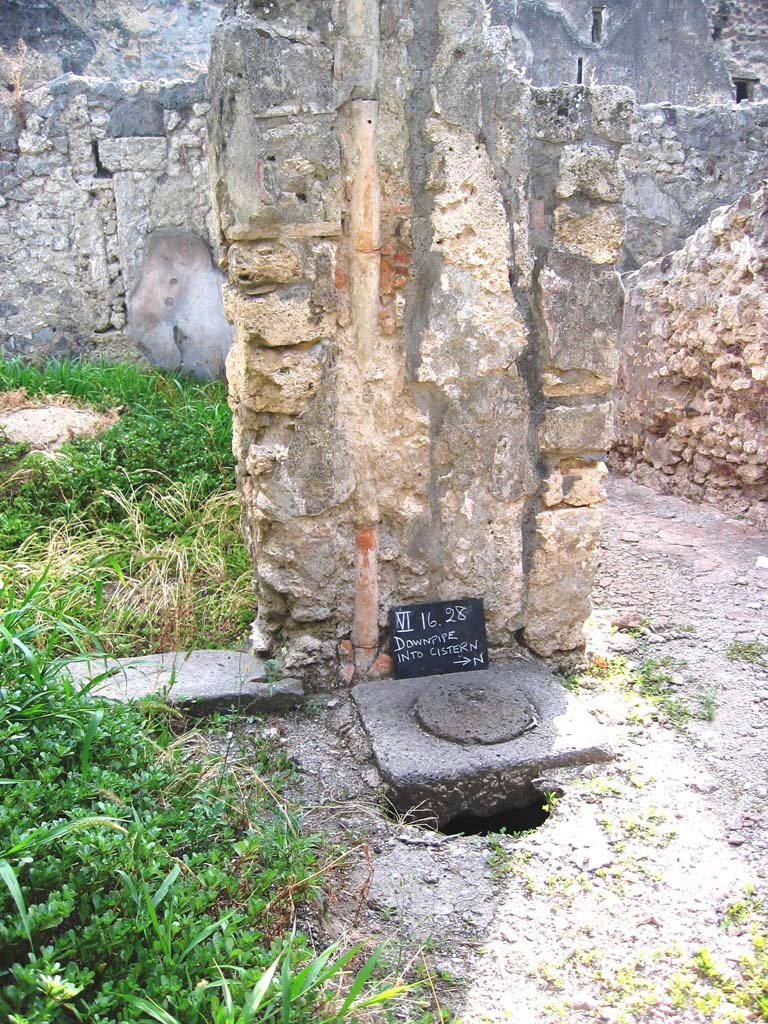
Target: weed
point(601, 786)
point(754, 652)
point(749, 911)
point(551, 800)
point(734, 994)
point(707, 706)
point(650, 681)
point(273, 667)
point(11, 453)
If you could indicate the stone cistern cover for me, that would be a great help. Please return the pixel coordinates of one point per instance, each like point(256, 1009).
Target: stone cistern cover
point(474, 742)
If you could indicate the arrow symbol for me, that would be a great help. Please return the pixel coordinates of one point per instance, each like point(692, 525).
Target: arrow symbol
point(463, 661)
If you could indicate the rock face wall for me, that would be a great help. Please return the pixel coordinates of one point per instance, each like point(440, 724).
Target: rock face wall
point(420, 253)
point(88, 170)
point(692, 406)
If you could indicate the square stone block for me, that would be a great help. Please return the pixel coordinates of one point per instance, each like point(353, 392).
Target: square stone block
point(475, 741)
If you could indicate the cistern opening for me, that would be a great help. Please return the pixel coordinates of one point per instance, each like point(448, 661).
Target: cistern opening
point(508, 819)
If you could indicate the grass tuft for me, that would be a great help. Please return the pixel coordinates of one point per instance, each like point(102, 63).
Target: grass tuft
point(139, 528)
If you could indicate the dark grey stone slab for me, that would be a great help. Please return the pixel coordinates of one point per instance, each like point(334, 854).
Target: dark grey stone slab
point(444, 778)
point(201, 682)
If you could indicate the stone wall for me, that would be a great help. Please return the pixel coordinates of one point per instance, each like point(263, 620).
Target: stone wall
point(692, 407)
point(89, 169)
point(420, 252)
point(684, 162)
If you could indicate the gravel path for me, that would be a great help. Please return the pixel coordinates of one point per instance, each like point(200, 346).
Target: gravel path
point(601, 914)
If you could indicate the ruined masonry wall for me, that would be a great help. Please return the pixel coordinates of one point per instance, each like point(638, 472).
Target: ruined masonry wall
point(420, 252)
point(88, 168)
point(692, 409)
point(683, 163)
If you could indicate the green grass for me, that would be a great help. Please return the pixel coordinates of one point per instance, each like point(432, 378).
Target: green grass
point(145, 520)
point(141, 877)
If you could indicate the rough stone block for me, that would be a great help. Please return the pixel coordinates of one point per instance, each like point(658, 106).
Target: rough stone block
point(279, 380)
point(133, 154)
point(136, 116)
point(613, 112)
point(575, 483)
point(561, 578)
point(271, 75)
point(591, 171)
point(278, 319)
point(286, 172)
point(559, 114)
point(569, 430)
point(597, 234)
point(261, 266)
point(582, 310)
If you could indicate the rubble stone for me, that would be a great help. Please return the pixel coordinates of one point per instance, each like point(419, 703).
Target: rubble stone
point(693, 374)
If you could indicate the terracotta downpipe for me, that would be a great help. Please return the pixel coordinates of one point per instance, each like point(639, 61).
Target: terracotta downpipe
point(364, 257)
point(364, 218)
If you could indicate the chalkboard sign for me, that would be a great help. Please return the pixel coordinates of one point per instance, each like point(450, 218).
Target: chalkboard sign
point(433, 639)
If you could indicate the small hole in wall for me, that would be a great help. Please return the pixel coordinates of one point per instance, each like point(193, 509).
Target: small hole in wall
point(271, 158)
point(301, 196)
point(370, 121)
point(745, 88)
point(598, 14)
point(459, 53)
point(580, 71)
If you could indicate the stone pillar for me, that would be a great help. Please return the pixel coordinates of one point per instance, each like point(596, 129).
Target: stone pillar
point(578, 234)
point(418, 248)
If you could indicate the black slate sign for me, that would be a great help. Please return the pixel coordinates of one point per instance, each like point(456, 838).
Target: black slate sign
point(433, 639)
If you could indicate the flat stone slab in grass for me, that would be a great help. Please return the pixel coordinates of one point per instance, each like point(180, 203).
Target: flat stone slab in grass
point(200, 681)
point(474, 742)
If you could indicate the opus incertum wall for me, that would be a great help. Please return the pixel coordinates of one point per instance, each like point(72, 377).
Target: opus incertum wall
point(420, 252)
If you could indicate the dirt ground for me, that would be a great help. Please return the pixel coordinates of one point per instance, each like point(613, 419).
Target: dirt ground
point(602, 913)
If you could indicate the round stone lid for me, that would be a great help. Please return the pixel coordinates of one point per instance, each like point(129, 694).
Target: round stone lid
point(463, 712)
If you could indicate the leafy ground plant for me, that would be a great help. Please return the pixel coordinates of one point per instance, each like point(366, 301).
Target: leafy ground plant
point(141, 878)
point(145, 520)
